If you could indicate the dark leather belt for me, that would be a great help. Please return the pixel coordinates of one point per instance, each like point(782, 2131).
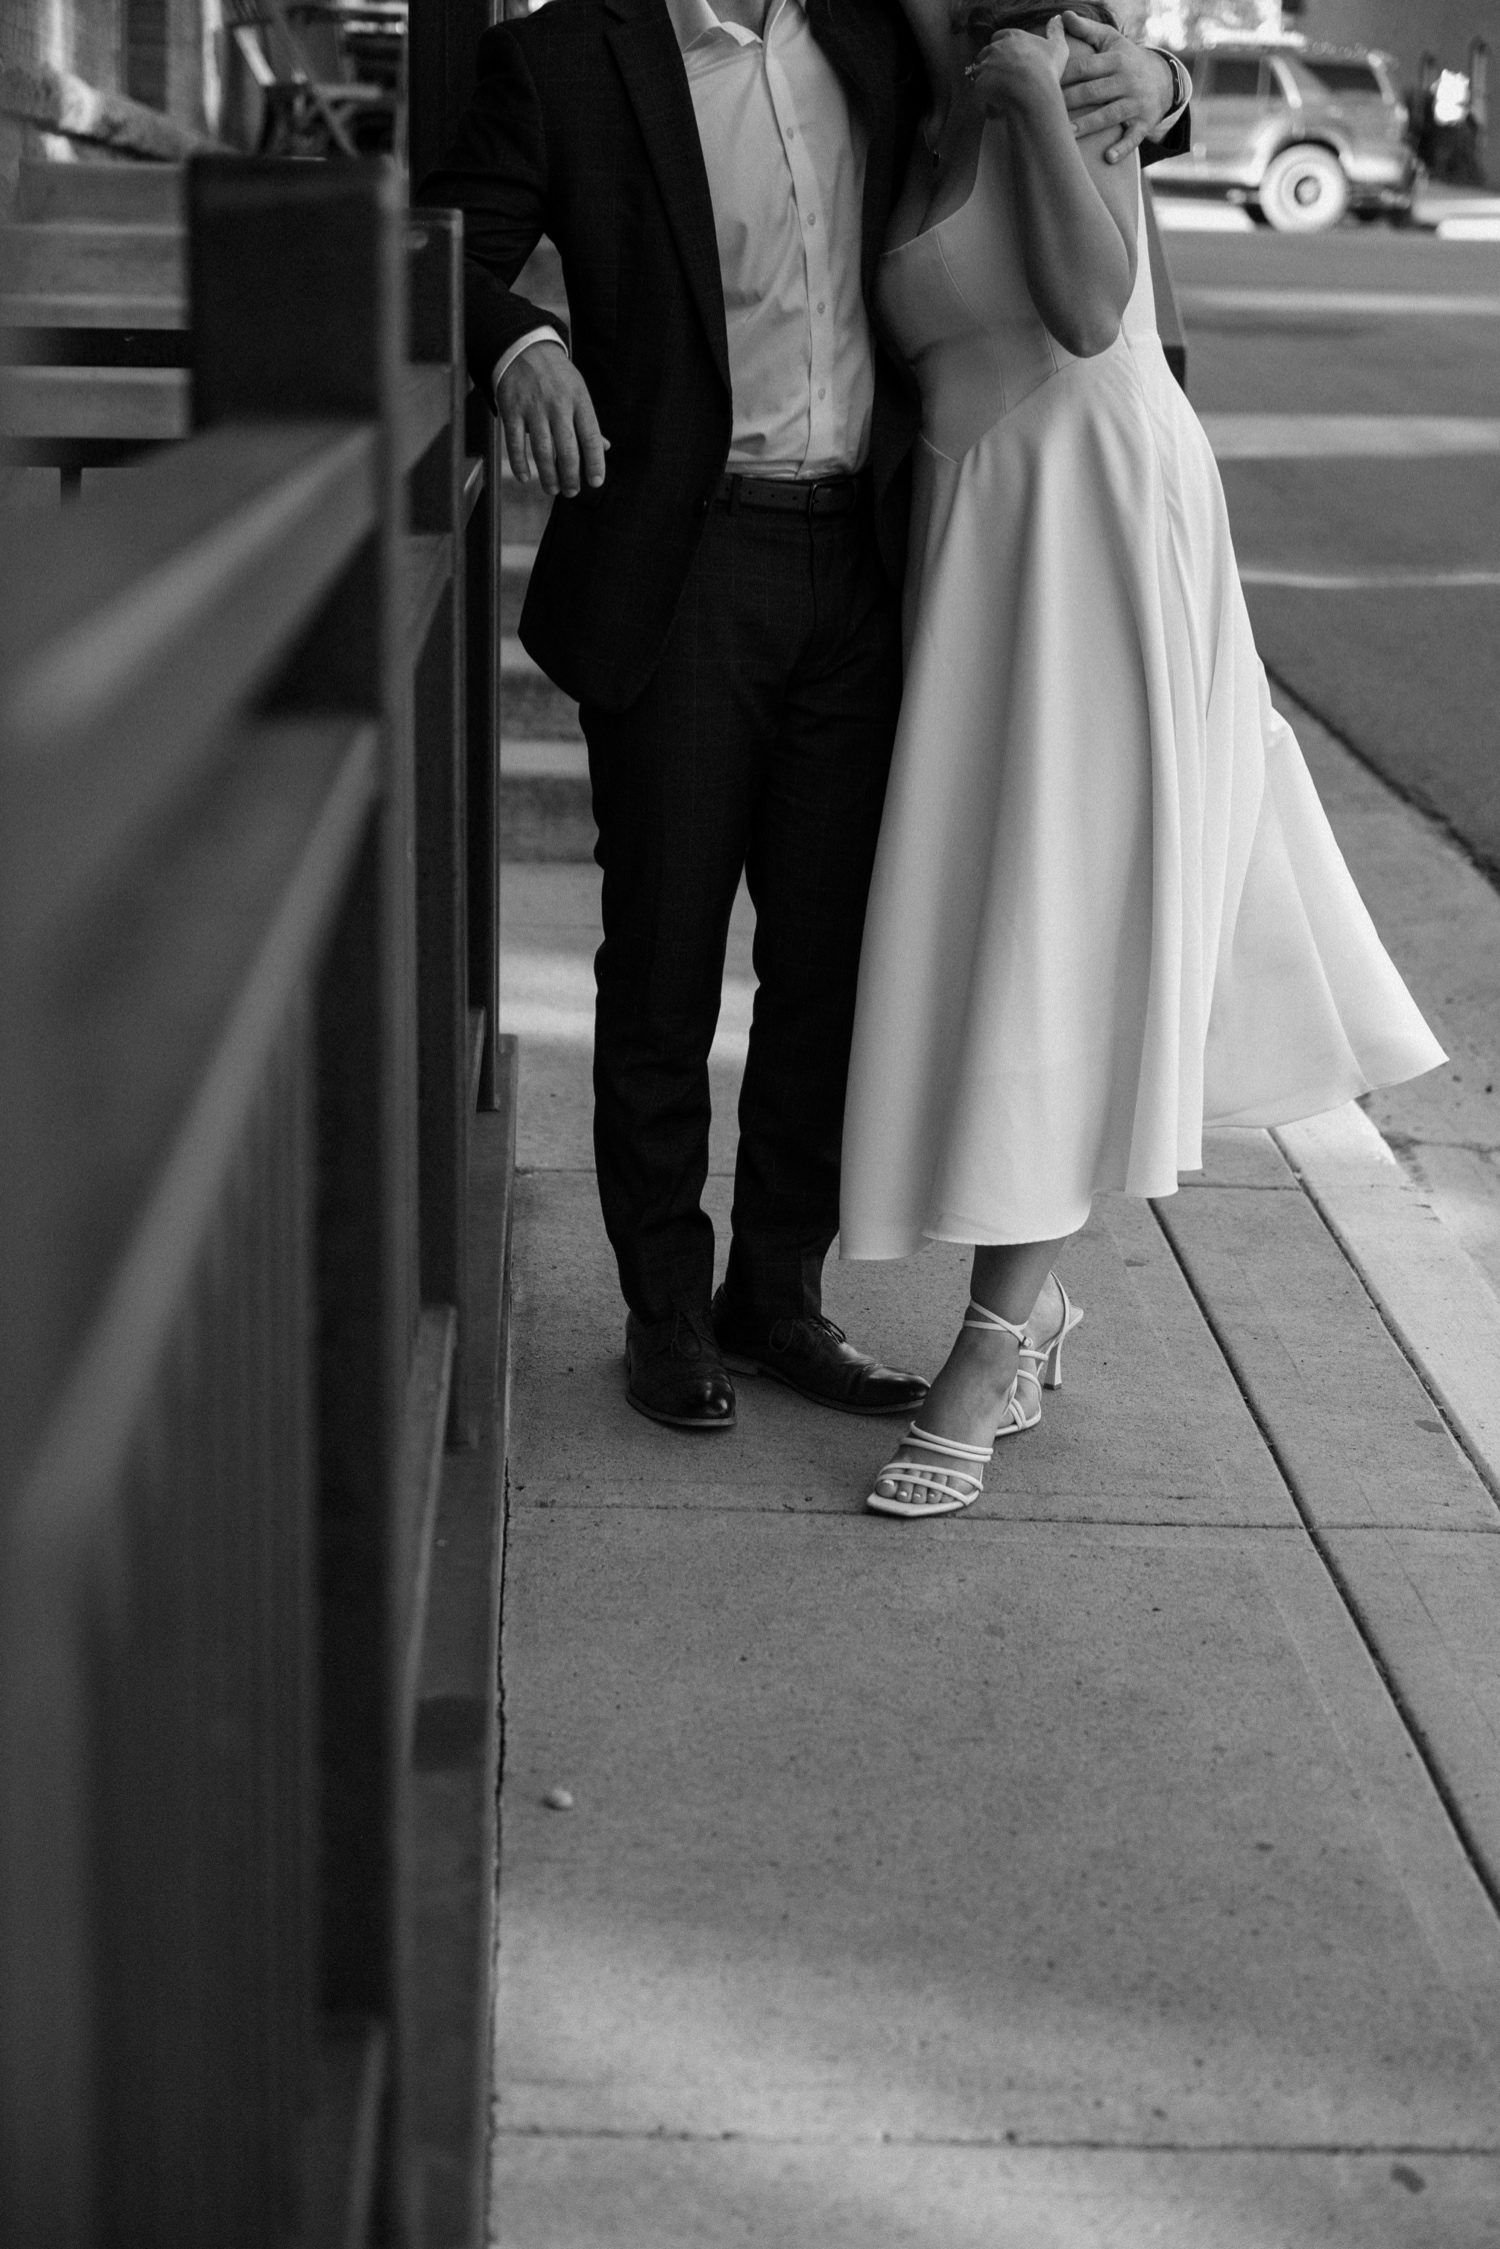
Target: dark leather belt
point(811, 496)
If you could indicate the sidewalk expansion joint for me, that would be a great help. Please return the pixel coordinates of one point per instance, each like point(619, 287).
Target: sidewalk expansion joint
point(824, 1511)
point(1415, 1731)
point(1005, 2143)
point(1199, 1183)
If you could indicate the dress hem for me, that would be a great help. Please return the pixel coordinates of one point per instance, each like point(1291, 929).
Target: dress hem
point(970, 1233)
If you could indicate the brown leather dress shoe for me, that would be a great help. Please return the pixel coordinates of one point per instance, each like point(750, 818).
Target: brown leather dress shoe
point(674, 1373)
point(814, 1357)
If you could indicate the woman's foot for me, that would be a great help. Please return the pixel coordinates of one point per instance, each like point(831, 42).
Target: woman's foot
point(965, 1404)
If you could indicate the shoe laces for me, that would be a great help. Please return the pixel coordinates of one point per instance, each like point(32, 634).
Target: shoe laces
point(690, 1340)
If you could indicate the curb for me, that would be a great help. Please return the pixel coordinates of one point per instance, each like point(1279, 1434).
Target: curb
point(1428, 1290)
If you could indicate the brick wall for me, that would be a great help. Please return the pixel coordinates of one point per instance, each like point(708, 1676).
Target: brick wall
point(84, 36)
point(152, 51)
point(149, 49)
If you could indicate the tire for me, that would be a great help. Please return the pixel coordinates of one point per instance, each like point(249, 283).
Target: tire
point(1304, 191)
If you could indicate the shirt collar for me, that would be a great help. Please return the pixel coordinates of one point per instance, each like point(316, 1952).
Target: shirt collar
point(693, 20)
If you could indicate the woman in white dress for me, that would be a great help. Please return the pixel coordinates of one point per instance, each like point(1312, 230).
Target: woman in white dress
point(1108, 908)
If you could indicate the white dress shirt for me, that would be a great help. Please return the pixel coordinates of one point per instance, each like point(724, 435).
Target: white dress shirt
point(786, 176)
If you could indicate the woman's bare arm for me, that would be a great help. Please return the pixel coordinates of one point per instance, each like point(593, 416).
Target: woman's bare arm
point(1078, 213)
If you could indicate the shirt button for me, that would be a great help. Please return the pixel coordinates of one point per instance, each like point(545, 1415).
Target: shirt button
point(821, 306)
point(812, 218)
point(822, 394)
point(791, 132)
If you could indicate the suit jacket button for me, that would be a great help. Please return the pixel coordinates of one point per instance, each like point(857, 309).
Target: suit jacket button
point(701, 507)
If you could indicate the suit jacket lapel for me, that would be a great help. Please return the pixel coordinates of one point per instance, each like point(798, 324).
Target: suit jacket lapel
point(650, 62)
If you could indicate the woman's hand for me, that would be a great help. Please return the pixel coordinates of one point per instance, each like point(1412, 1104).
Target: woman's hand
point(1017, 70)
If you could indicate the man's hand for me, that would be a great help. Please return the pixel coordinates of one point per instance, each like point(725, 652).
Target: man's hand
point(1117, 87)
point(543, 397)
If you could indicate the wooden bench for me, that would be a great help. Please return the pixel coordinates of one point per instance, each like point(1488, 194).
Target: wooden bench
point(251, 1333)
point(93, 302)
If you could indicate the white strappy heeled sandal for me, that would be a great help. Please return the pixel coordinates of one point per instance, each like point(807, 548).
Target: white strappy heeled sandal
point(957, 1488)
point(1040, 1368)
point(1013, 1414)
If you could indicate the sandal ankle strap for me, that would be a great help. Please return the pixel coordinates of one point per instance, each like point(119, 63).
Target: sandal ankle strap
point(993, 1322)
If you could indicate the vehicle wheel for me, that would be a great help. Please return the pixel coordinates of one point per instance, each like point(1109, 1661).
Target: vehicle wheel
point(1304, 191)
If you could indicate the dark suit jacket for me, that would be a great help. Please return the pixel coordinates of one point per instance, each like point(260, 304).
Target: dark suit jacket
point(582, 128)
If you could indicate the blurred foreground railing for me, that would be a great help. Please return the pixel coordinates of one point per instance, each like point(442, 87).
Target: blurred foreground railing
point(96, 355)
point(255, 1222)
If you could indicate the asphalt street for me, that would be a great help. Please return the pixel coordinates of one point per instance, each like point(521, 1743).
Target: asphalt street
point(1370, 549)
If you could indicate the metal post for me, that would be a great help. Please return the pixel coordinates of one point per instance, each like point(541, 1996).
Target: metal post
point(1479, 83)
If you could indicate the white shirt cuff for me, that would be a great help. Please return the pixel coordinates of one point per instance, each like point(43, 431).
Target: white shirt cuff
point(1184, 77)
point(524, 343)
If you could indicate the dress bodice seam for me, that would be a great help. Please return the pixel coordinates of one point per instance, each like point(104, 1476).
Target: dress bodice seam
point(981, 329)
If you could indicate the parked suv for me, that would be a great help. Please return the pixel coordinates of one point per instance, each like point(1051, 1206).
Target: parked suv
point(1304, 132)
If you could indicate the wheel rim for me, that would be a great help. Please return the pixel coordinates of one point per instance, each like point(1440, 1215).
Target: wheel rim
point(1306, 195)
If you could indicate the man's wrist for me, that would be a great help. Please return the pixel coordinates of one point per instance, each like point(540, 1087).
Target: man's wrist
point(532, 337)
point(1179, 94)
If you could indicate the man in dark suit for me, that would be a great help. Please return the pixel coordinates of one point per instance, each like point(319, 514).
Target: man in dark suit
point(723, 597)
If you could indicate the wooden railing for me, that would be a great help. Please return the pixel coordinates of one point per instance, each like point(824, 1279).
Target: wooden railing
point(254, 1154)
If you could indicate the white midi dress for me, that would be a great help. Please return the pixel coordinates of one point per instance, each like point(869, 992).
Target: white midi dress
point(1107, 909)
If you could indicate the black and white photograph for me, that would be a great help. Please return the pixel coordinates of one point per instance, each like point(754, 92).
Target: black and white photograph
point(749, 1124)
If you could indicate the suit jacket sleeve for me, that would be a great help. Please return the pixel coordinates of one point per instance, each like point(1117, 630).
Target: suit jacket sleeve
point(1179, 142)
point(496, 174)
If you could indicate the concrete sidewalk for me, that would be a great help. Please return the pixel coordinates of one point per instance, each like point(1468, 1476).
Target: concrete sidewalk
point(1116, 1864)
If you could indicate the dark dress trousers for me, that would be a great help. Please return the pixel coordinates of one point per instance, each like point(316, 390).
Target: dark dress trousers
point(737, 672)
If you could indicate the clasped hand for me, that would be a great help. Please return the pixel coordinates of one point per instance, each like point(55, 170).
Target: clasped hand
point(1110, 86)
point(1018, 67)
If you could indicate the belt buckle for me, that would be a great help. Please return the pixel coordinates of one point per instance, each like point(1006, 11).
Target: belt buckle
point(822, 485)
